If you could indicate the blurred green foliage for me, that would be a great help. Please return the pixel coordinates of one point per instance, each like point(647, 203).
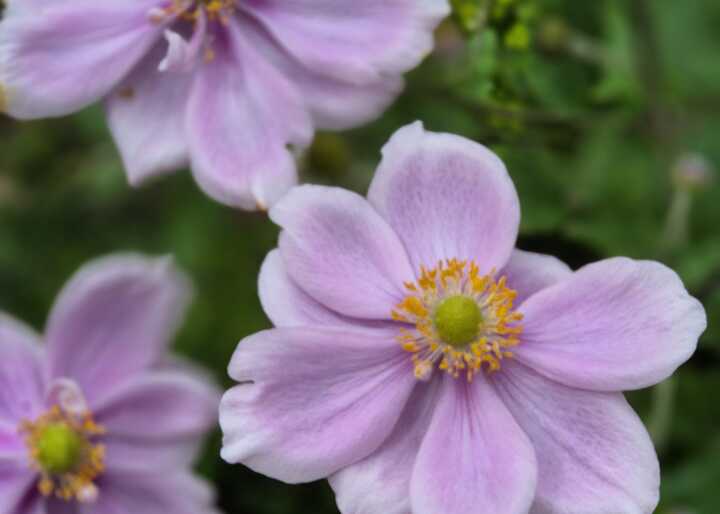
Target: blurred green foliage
point(590, 104)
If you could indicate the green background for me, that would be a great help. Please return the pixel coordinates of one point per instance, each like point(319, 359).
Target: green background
point(591, 104)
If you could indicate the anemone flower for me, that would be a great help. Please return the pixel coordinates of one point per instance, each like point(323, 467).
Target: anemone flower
point(99, 419)
point(231, 86)
point(426, 366)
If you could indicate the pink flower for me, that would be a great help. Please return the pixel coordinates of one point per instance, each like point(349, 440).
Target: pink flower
point(100, 420)
point(228, 88)
point(426, 366)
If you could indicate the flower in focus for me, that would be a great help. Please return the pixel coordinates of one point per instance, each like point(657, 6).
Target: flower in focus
point(100, 420)
point(426, 366)
point(225, 86)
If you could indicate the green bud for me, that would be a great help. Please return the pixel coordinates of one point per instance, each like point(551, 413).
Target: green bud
point(469, 14)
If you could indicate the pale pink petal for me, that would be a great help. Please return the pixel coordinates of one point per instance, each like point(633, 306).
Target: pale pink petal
point(114, 319)
point(22, 382)
point(176, 492)
point(446, 197)
point(474, 457)
point(64, 57)
point(242, 115)
point(341, 252)
point(350, 40)
point(310, 401)
point(334, 102)
point(32, 5)
point(594, 454)
point(157, 419)
point(616, 324)
point(12, 446)
point(529, 272)
point(336, 105)
point(381, 482)
point(146, 114)
point(286, 304)
point(17, 489)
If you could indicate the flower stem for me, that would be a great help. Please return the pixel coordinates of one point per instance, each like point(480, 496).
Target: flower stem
point(674, 236)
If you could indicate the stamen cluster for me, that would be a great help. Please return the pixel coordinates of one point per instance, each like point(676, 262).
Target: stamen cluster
point(62, 451)
point(497, 323)
point(215, 10)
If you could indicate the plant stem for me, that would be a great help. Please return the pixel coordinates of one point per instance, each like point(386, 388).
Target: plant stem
point(674, 236)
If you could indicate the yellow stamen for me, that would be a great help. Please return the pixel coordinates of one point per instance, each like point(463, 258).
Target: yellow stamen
point(62, 450)
point(439, 304)
point(215, 10)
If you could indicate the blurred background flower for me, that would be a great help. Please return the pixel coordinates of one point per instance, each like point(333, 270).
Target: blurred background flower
point(233, 87)
point(592, 106)
point(95, 417)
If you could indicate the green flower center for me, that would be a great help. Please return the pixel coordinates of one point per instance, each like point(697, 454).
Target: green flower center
point(59, 448)
point(457, 320)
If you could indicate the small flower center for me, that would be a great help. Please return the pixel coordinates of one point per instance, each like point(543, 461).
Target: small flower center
point(457, 320)
point(462, 321)
point(59, 448)
point(62, 450)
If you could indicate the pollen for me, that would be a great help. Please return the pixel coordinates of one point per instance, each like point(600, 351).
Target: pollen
point(62, 450)
point(462, 322)
point(215, 10)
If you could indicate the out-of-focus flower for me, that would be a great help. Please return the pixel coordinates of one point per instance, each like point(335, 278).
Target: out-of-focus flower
point(229, 88)
point(693, 171)
point(100, 420)
point(424, 365)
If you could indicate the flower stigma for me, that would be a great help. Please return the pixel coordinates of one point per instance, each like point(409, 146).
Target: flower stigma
point(62, 450)
point(457, 320)
point(463, 321)
point(197, 15)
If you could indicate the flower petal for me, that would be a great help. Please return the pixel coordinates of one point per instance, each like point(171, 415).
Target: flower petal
point(616, 324)
point(157, 419)
point(12, 446)
point(391, 465)
point(446, 197)
point(529, 272)
point(594, 454)
point(151, 493)
point(474, 457)
point(336, 105)
point(242, 115)
point(341, 252)
point(312, 401)
point(334, 102)
point(55, 61)
point(286, 304)
point(355, 41)
point(146, 114)
point(55, 505)
point(114, 319)
point(22, 381)
point(16, 489)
